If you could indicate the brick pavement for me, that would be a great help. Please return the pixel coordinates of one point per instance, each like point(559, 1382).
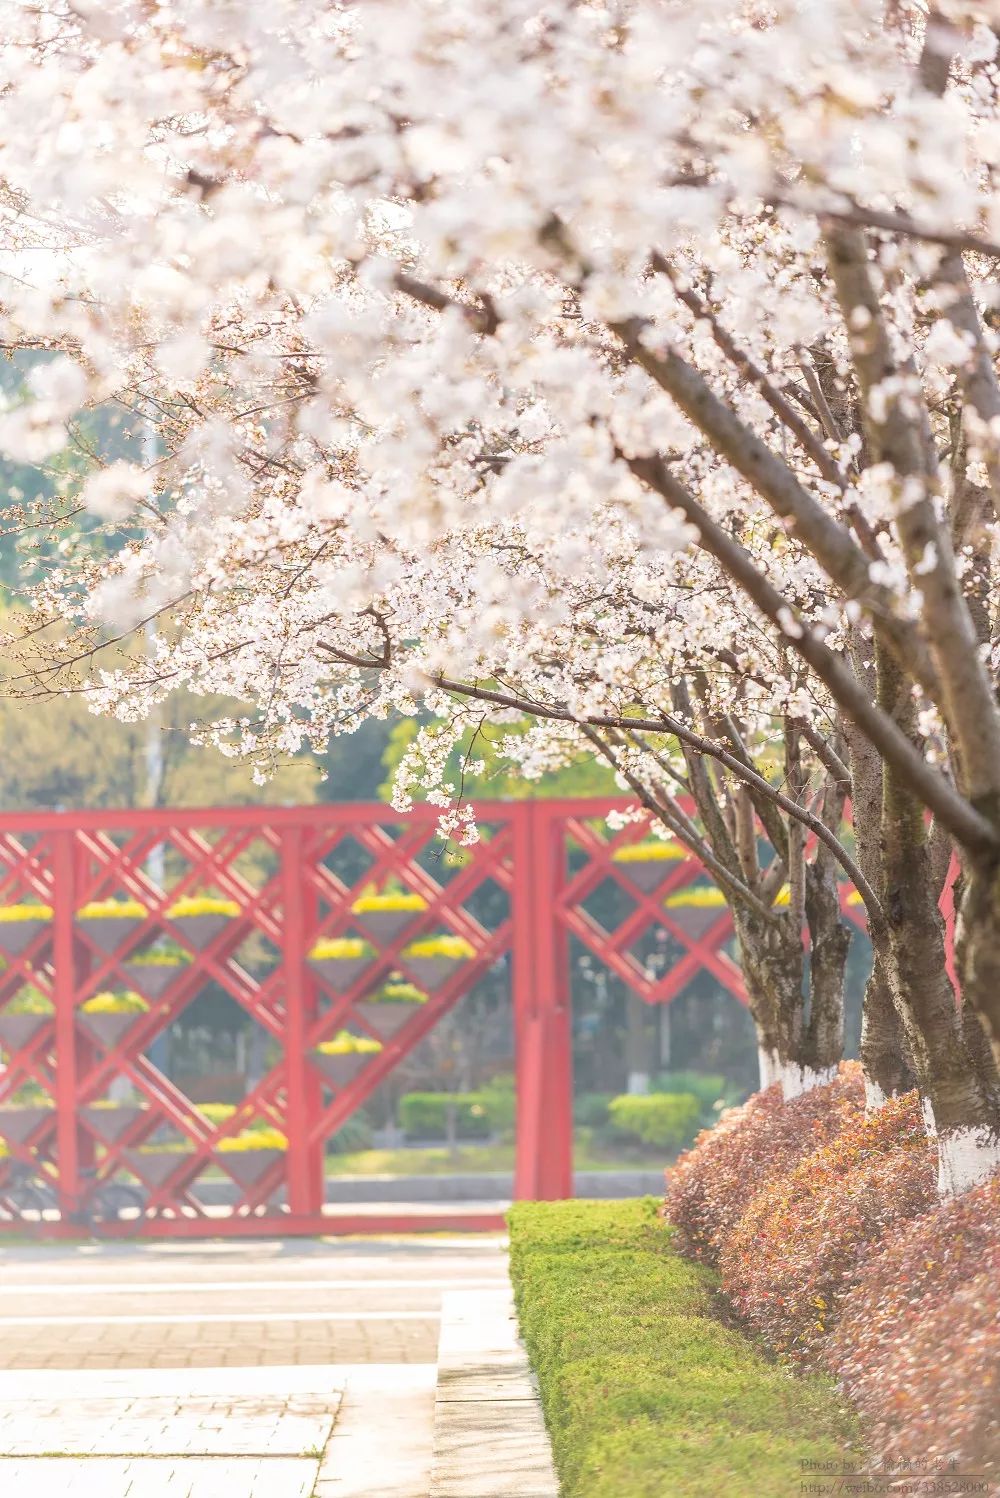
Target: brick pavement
point(137, 1371)
point(220, 1345)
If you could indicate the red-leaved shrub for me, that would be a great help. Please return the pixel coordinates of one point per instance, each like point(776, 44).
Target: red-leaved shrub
point(713, 1183)
point(918, 1343)
point(800, 1246)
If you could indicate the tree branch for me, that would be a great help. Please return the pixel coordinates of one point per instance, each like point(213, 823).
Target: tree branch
point(680, 826)
point(965, 823)
point(824, 537)
point(670, 725)
point(897, 438)
point(785, 412)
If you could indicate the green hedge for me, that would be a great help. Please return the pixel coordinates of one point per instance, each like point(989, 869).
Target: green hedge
point(710, 1088)
point(665, 1119)
point(590, 1109)
point(645, 1392)
point(355, 1133)
point(424, 1115)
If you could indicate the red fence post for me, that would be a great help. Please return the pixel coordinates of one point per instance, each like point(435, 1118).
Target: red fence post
point(304, 1163)
point(64, 993)
point(543, 1054)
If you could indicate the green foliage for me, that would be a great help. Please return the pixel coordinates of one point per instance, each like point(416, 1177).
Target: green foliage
point(30, 1000)
point(590, 1109)
point(30, 1094)
point(667, 1120)
point(712, 1091)
point(645, 1392)
point(499, 1097)
point(56, 753)
point(164, 954)
point(355, 1133)
point(424, 1115)
point(26, 552)
point(352, 763)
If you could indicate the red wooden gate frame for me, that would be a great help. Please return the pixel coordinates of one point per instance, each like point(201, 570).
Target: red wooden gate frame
point(547, 856)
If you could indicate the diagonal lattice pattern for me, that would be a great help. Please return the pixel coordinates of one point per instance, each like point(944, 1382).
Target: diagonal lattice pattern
point(85, 1097)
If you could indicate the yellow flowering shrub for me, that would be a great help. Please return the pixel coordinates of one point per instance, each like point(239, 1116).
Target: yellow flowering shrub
point(398, 993)
point(25, 912)
point(253, 1139)
point(708, 897)
point(336, 948)
point(346, 1044)
point(102, 910)
point(455, 947)
point(390, 900)
point(216, 1113)
point(652, 850)
point(125, 1002)
point(167, 956)
point(201, 905)
point(703, 898)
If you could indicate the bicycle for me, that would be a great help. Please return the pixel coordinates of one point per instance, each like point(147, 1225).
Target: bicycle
point(24, 1194)
point(111, 1202)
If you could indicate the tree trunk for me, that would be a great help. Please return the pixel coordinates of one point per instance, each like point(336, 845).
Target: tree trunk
point(829, 943)
point(957, 1083)
point(451, 1129)
point(977, 949)
point(799, 1051)
point(883, 1051)
point(636, 1045)
point(887, 1068)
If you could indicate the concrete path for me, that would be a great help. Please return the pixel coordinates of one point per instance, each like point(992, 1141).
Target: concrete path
point(489, 1434)
point(228, 1370)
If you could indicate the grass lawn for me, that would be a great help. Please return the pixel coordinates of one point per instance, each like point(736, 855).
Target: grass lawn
point(437, 1160)
point(646, 1392)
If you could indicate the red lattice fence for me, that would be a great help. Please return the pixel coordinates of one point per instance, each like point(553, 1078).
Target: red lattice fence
point(292, 876)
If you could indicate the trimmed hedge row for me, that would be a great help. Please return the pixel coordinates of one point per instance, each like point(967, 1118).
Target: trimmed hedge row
point(424, 1115)
point(710, 1186)
point(666, 1120)
point(646, 1392)
point(833, 1247)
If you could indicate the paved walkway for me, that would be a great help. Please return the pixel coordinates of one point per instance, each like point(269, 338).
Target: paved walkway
point(231, 1370)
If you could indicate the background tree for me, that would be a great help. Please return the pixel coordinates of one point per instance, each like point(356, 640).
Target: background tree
point(671, 343)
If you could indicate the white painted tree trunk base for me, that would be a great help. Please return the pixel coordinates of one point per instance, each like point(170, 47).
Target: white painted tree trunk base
point(794, 1079)
point(875, 1098)
point(930, 1123)
point(966, 1158)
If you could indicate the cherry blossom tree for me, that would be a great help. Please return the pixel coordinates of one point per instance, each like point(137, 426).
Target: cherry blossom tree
point(630, 368)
